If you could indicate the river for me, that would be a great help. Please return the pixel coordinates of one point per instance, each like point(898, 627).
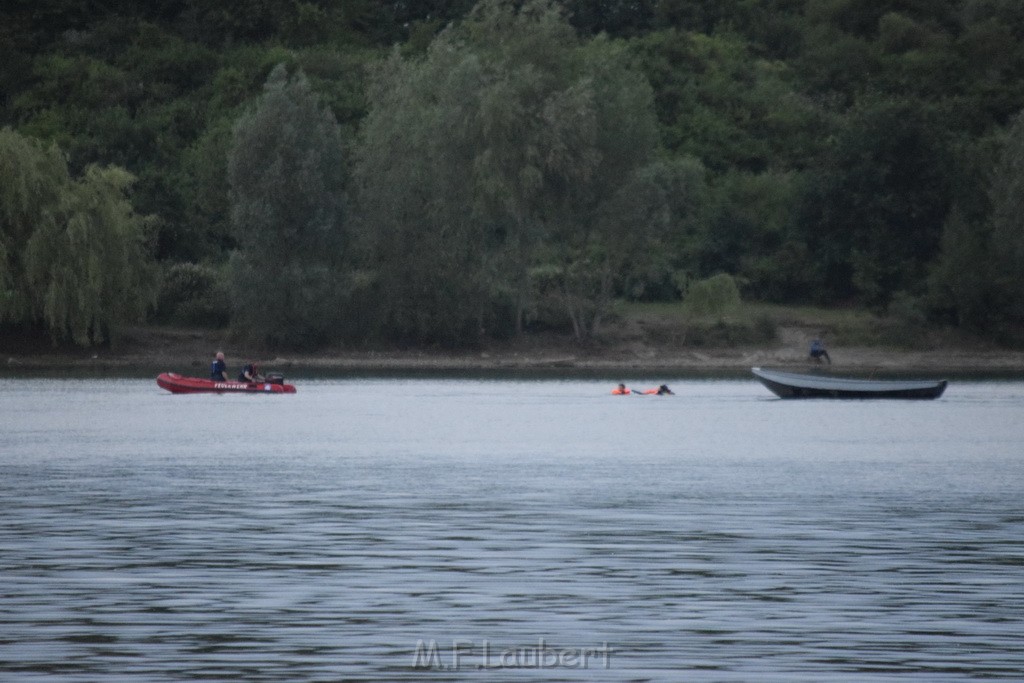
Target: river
point(488, 530)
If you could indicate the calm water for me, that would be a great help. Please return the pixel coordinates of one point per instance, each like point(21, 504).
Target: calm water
point(388, 530)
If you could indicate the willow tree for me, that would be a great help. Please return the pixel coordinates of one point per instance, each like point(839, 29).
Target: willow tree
point(32, 178)
point(75, 255)
point(286, 174)
point(88, 272)
point(499, 166)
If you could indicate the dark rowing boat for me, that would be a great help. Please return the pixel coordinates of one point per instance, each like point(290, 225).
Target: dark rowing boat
point(790, 385)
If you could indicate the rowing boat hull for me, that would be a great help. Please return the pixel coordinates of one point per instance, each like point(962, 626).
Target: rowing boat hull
point(790, 385)
point(179, 384)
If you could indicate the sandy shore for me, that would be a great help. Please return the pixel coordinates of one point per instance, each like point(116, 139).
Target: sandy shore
point(190, 352)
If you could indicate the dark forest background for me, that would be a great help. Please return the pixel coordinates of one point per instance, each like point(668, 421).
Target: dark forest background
point(354, 171)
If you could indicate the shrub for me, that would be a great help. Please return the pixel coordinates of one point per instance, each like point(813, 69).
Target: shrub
point(715, 296)
point(193, 294)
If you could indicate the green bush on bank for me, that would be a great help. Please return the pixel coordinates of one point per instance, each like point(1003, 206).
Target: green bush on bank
point(715, 296)
point(193, 294)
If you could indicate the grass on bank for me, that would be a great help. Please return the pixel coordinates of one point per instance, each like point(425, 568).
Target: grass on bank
point(748, 324)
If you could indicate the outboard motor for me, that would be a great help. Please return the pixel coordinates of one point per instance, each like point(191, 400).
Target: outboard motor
point(274, 378)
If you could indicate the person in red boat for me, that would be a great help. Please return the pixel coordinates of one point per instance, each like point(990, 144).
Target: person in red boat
point(218, 369)
point(250, 373)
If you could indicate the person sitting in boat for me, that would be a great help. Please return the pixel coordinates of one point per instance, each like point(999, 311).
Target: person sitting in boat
point(620, 390)
point(250, 373)
point(663, 390)
point(218, 369)
point(818, 351)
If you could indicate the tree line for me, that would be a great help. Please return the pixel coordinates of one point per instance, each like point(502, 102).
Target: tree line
point(443, 173)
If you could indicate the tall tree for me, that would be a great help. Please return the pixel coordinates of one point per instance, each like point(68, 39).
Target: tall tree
point(286, 172)
point(610, 202)
point(1007, 228)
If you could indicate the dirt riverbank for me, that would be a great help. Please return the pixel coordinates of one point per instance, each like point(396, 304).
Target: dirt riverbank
point(190, 351)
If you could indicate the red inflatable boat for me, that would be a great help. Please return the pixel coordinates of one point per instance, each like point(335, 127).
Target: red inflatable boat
point(179, 384)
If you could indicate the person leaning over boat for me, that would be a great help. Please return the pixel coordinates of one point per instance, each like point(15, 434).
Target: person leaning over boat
point(250, 373)
point(818, 351)
point(219, 369)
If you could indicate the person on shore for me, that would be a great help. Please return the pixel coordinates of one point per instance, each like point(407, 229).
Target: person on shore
point(620, 390)
point(818, 351)
point(219, 369)
point(663, 390)
point(250, 373)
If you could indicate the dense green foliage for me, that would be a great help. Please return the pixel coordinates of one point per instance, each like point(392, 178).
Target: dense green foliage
point(513, 164)
point(979, 277)
point(510, 165)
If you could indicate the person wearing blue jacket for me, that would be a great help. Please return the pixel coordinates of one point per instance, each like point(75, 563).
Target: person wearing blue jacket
point(818, 351)
point(219, 369)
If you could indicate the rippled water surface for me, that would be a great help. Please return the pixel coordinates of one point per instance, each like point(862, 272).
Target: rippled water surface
point(387, 530)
